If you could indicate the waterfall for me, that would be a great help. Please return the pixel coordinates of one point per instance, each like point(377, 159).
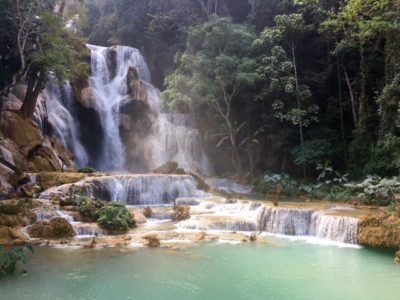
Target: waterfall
point(308, 222)
point(133, 189)
point(109, 91)
point(59, 107)
point(120, 77)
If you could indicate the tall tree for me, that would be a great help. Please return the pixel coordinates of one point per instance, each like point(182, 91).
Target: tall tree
point(212, 70)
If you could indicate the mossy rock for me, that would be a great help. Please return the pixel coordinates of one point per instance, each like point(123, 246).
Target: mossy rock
point(152, 241)
point(11, 236)
point(51, 179)
point(57, 228)
point(167, 168)
point(381, 232)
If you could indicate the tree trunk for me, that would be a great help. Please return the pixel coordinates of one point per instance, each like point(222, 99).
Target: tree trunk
point(341, 110)
point(363, 101)
point(298, 102)
point(32, 93)
point(352, 98)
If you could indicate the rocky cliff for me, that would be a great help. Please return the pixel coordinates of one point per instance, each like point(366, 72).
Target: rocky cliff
point(27, 145)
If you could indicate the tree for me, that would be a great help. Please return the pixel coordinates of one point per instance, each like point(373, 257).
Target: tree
point(280, 73)
point(43, 47)
point(60, 55)
point(213, 69)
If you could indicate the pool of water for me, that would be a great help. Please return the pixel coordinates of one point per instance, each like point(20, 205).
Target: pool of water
point(281, 270)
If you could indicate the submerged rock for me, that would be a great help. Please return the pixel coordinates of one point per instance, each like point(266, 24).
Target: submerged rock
point(57, 228)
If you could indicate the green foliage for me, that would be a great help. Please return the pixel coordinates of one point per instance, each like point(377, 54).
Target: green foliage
point(10, 258)
point(87, 170)
point(328, 191)
point(375, 190)
point(267, 184)
point(311, 152)
point(88, 208)
point(115, 218)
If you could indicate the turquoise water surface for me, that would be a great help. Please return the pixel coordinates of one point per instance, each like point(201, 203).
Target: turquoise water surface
point(280, 270)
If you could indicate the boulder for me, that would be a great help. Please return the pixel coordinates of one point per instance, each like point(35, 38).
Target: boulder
point(57, 228)
point(6, 189)
point(14, 220)
point(151, 241)
point(11, 102)
point(51, 179)
point(167, 168)
point(137, 215)
point(22, 131)
point(44, 158)
point(11, 236)
point(30, 190)
point(87, 97)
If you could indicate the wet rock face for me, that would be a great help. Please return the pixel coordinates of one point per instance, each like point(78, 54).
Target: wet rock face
point(57, 228)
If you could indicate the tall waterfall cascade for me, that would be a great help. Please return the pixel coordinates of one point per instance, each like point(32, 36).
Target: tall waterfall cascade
point(58, 106)
point(120, 77)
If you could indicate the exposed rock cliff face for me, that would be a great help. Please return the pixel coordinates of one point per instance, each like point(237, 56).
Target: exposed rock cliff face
point(26, 145)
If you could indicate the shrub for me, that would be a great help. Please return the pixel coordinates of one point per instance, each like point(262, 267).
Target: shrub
point(9, 258)
point(147, 211)
point(181, 212)
point(376, 191)
point(328, 191)
point(88, 208)
point(87, 170)
point(115, 218)
point(269, 182)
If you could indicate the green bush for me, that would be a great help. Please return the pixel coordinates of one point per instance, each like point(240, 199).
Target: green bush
point(115, 218)
point(87, 170)
point(328, 191)
point(9, 258)
point(267, 184)
point(88, 208)
point(375, 190)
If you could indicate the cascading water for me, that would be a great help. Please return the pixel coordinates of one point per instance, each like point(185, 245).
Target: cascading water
point(134, 189)
point(308, 222)
point(59, 107)
point(171, 136)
